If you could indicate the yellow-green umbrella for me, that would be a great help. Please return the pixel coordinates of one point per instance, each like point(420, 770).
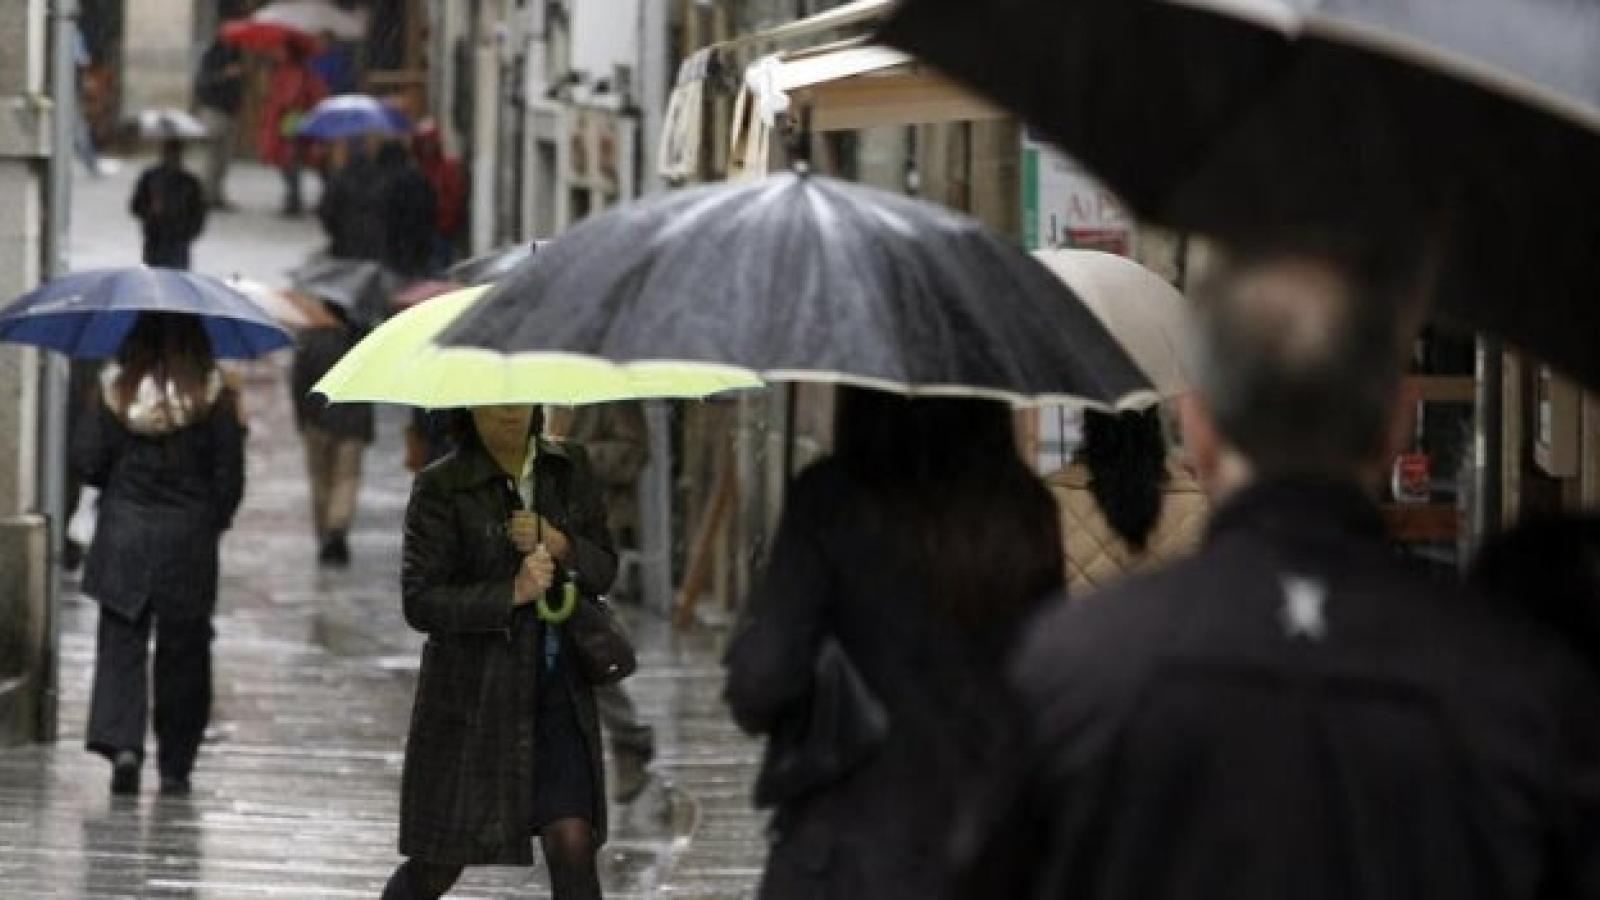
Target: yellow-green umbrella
point(400, 363)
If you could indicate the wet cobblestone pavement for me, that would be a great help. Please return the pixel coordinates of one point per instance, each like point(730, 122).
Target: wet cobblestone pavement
point(297, 788)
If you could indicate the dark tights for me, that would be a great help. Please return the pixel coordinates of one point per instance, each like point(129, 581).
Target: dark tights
point(569, 852)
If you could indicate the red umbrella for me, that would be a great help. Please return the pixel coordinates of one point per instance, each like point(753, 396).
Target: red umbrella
point(256, 34)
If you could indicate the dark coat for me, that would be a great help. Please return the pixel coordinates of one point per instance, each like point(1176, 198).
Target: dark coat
point(164, 503)
point(219, 85)
point(316, 351)
point(171, 205)
point(1294, 712)
point(467, 787)
point(410, 214)
point(881, 832)
point(352, 214)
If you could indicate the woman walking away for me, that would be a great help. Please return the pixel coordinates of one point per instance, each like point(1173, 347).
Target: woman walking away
point(505, 742)
point(1126, 502)
point(166, 450)
point(916, 550)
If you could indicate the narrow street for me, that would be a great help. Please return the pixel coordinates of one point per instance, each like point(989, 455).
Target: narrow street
point(296, 791)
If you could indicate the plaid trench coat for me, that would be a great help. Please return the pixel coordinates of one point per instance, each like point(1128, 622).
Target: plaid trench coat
point(467, 785)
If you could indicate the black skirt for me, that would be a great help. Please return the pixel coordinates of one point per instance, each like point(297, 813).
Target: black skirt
point(563, 785)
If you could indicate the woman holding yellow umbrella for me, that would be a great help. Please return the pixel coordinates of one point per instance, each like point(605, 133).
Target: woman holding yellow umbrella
point(506, 552)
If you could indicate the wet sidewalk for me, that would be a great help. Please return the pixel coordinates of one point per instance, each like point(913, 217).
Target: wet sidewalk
point(297, 788)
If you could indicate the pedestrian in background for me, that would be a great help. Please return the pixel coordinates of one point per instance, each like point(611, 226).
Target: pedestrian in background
point(292, 90)
point(1294, 710)
point(170, 205)
point(616, 440)
point(1548, 566)
point(449, 181)
point(335, 435)
point(82, 134)
point(1127, 501)
point(218, 95)
point(920, 547)
point(409, 209)
point(504, 743)
point(166, 450)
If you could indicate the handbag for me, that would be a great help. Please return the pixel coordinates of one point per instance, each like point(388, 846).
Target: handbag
point(604, 653)
point(842, 725)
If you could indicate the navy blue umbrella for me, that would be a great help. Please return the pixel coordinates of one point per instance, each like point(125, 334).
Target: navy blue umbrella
point(86, 315)
point(349, 115)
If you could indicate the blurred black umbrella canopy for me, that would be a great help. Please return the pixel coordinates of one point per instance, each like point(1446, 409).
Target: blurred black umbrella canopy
point(799, 277)
point(1465, 128)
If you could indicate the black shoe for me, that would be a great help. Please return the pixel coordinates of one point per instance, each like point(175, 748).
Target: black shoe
point(125, 773)
point(337, 550)
point(71, 555)
point(175, 786)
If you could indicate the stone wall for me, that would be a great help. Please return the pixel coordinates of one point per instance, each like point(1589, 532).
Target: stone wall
point(158, 54)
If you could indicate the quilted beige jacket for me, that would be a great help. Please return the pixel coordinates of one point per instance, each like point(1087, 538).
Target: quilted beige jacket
point(1096, 555)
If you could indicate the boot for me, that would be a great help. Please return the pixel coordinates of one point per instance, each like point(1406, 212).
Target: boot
point(125, 773)
point(335, 550)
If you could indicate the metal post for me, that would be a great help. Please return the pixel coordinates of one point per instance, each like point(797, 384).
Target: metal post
point(654, 86)
point(655, 507)
point(1488, 441)
point(655, 537)
point(53, 389)
point(487, 32)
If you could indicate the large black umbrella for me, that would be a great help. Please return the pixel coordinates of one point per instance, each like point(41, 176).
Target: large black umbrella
point(804, 278)
point(1469, 127)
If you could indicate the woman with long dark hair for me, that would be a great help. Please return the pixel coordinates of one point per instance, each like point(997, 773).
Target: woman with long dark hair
point(505, 741)
point(919, 546)
point(1126, 502)
point(166, 449)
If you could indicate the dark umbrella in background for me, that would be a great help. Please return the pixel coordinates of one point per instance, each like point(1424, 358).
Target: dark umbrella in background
point(86, 315)
point(488, 268)
point(804, 278)
point(359, 287)
point(1466, 128)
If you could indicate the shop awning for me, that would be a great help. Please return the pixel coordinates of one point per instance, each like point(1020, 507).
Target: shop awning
point(843, 86)
point(868, 86)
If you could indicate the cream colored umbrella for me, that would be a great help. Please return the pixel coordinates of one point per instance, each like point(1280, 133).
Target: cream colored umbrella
point(1142, 310)
point(293, 312)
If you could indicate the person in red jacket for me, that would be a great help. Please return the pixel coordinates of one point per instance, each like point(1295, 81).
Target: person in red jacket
point(449, 184)
point(292, 90)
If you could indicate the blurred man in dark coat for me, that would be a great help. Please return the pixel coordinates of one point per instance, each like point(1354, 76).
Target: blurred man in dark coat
point(171, 205)
point(350, 208)
point(1296, 711)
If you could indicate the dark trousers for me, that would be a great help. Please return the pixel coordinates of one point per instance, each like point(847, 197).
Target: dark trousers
point(120, 703)
point(291, 181)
